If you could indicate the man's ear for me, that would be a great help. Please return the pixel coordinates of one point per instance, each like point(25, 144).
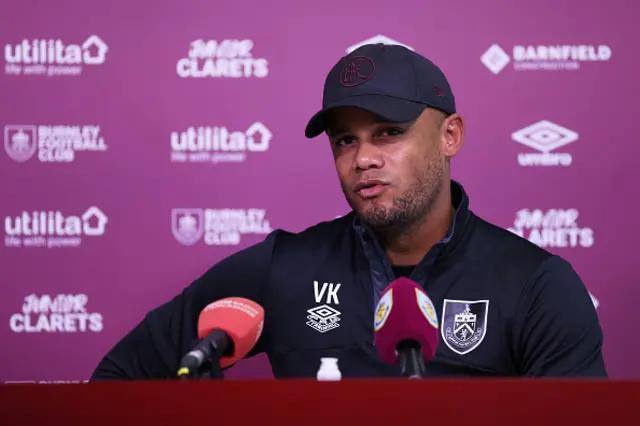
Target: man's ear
point(452, 134)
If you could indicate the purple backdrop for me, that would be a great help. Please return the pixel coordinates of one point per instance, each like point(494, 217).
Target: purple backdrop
point(144, 141)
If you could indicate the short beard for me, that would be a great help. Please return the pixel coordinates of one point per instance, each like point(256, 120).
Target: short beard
point(409, 208)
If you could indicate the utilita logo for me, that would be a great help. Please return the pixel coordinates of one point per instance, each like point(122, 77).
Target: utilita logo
point(225, 59)
point(220, 227)
point(376, 40)
point(544, 58)
point(53, 57)
point(53, 229)
point(544, 136)
point(218, 144)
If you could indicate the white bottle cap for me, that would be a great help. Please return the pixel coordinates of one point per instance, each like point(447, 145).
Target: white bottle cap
point(329, 370)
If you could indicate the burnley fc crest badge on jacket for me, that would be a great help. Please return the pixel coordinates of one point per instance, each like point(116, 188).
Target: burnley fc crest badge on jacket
point(464, 324)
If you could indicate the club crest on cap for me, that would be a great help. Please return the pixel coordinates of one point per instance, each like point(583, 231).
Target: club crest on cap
point(356, 71)
point(464, 324)
point(382, 310)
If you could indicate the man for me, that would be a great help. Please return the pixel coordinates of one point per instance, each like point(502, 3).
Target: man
point(391, 120)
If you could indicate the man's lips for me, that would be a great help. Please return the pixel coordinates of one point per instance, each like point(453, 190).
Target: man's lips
point(370, 188)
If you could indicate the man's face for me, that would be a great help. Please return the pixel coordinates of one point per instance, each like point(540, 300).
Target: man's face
point(390, 173)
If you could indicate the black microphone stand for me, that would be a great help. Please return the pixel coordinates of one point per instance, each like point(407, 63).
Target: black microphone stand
point(207, 368)
point(411, 362)
point(210, 369)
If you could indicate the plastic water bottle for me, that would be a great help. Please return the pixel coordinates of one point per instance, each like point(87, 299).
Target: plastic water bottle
point(329, 370)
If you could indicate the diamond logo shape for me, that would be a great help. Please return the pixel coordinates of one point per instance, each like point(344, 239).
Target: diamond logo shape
point(544, 136)
point(375, 40)
point(495, 59)
point(323, 312)
point(323, 318)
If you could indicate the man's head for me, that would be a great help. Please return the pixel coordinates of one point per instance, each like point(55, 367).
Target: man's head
point(391, 120)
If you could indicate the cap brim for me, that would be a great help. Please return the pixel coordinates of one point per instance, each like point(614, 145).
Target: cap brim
point(390, 109)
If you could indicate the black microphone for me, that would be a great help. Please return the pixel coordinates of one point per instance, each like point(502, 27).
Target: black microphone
point(411, 359)
point(208, 352)
point(229, 329)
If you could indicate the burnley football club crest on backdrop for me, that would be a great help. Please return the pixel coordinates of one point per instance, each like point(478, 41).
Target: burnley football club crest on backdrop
point(464, 324)
point(187, 225)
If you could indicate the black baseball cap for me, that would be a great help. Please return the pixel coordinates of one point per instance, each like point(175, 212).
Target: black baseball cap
point(391, 81)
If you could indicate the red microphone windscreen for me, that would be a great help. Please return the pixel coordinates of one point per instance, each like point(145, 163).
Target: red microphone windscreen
point(242, 319)
point(405, 312)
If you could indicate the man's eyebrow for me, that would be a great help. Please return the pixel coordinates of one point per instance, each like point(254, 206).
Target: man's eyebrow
point(334, 130)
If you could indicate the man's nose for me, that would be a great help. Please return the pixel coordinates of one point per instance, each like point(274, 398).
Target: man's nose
point(368, 155)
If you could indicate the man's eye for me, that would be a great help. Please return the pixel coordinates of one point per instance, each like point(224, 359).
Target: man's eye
point(344, 141)
point(392, 132)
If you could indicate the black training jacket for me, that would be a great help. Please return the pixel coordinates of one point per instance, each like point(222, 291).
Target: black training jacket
point(506, 307)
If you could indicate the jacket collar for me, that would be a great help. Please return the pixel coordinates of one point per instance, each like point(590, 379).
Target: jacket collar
point(460, 201)
point(382, 273)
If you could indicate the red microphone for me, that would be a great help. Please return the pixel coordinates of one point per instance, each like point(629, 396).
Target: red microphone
point(406, 327)
point(229, 329)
